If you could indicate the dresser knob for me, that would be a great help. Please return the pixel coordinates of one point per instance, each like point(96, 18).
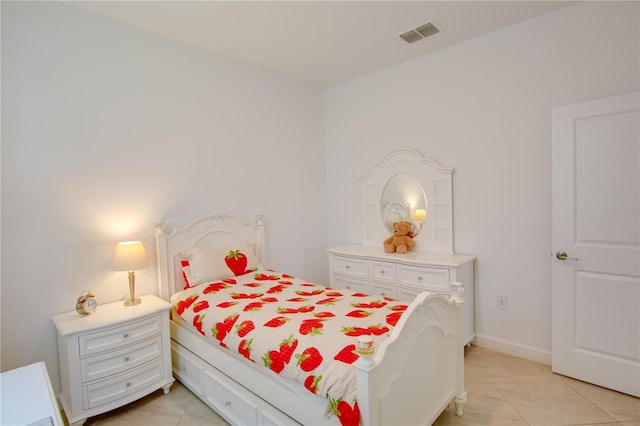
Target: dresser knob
point(382, 272)
point(227, 404)
point(126, 359)
point(129, 384)
point(419, 278)
point(347, 267)
point(125, 335)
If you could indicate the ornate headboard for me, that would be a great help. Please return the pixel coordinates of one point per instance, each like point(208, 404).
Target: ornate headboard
point(212, 230)
point(407, 184)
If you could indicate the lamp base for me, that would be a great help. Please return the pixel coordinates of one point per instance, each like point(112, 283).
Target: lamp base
point(135, 301)
point(132, 300)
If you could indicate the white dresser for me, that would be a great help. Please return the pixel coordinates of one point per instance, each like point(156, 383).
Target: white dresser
point(369, 269)
point(113, 357)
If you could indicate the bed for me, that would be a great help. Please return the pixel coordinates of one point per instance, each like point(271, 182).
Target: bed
point(404, 373)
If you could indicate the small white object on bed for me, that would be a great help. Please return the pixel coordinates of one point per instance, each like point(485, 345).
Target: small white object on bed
point(410, 379)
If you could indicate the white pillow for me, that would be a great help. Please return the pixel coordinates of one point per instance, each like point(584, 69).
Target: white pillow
point(213, 264)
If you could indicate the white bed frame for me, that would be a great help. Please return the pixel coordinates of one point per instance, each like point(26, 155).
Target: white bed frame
point(410, 380)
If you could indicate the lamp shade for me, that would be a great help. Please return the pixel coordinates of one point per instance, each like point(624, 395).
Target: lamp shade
point(420, 215)
point(130, 256)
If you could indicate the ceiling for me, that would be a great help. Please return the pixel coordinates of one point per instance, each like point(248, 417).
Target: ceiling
point(318, 42)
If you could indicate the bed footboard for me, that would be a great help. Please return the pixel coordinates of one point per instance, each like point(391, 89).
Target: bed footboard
point(419, 370)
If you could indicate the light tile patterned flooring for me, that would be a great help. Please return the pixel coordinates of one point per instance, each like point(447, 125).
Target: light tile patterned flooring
point(502, 390)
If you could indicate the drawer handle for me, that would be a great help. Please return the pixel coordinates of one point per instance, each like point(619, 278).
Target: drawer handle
point(227, 404)
point(419, 277)
point(382, 272)
point(347, 267)
point(383, 294)
point(129, 384)
point(125, 335)
point(126, 359)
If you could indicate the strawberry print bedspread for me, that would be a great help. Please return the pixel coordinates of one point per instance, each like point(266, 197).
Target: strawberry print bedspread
point(302, 331)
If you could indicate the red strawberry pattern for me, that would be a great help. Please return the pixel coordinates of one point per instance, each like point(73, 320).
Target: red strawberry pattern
point(215, 287)
point(359, 313)
point(309, 359)
point(311, 383)
point(182, 305)
point(220, 330)
point(348, 415)
point(237, 262)
point(311, 327)
point(197, 323)
point(276, 322)
point(244, 328)
point(347, 354)
point(244, 349)
point(253, 306)
point(294, 328)
point(265, 277)
point(273, 361)
point(393, 318)
point(287, 347)
point(201, 305)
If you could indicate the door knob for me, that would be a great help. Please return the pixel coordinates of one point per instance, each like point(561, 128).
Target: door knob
point(563, 256)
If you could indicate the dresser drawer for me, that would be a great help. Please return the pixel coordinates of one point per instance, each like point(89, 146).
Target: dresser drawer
point(353, 285)
point(384, 290)
point(114, 362)
point(113, 389)
point(432, 279)
point(117, 337)
point(351, 267)
point(383, 271)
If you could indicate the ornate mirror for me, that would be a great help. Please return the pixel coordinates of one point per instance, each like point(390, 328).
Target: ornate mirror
point(403, 199)
point(407, 186)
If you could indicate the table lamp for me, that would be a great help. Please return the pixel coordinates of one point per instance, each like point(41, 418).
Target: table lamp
point(130, 256)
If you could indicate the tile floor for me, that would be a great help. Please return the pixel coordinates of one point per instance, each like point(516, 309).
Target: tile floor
point(502, 390)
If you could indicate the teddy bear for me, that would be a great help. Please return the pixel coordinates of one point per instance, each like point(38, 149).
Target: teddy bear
point(402, 239)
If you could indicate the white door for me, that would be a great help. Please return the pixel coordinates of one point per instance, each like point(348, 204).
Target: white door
point(596, 229)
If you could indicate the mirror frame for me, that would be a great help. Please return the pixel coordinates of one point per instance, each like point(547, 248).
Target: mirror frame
point(436, 235)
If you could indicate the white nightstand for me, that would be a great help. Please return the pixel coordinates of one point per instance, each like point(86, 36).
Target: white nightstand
point(113, 357)
point(27, 397)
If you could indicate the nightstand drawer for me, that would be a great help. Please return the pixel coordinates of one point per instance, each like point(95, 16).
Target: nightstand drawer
point(434, 279)
point(383, 271)
point(114, 362)
point(351, 267)
point(117, 337)
point(110, 390)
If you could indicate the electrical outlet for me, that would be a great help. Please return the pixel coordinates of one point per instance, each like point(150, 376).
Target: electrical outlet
point(502, 303)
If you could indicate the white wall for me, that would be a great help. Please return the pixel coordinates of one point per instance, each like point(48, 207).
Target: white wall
point(107, 130)
point(484, 108)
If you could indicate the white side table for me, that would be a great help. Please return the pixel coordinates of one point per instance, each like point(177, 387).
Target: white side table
point(27, 397)
point(113, 357)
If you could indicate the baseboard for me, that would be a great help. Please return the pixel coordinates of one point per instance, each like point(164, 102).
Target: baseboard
point(510, 348)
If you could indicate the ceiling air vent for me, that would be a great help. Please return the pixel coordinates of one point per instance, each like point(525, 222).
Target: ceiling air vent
point(419, 33)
